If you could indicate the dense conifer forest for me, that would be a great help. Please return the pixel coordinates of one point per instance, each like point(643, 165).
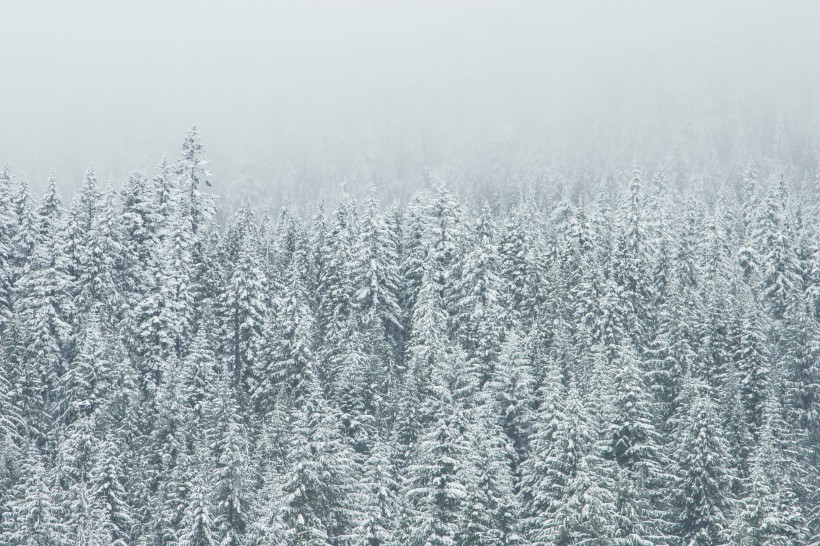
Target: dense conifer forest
point(627, 361)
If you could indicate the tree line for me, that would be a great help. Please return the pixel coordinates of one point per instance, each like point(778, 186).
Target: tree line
point(635, 364)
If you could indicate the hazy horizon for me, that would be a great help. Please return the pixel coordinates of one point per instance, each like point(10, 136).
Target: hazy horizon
point(284, 87)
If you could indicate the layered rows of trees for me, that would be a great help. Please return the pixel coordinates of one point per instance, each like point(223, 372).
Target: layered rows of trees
point(635, 365)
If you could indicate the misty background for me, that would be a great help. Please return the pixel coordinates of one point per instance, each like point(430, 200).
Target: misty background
point(301, 98)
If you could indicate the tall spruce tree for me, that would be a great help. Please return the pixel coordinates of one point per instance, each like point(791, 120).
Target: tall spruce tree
point(702, 490)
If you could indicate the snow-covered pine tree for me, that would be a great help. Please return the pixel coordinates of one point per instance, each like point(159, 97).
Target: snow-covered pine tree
point(107, 488)
point(86, 380)
point(287, 355)
point(241, 311)
point(97, 276)
point(434, 488)
point(536, 485)
point(44, 308)
point(338, 286)
point(514, 249)
point(567, 484)
point(492, 513)
point(630, 258)
point(139, 226)
point(355, 391)
point(446, 235)
point(701, 494)
point(170, 464)
point(169, 311)
point(377, 294)
point(8, 220)
point(191, 172)
point(750, 356)
point(197, 526)
point(428, 335)
point(318, 502)
point(511, 395)
point(227, 438)
point(287, 237)
point(479, 314)
point(381, 507)
point(198, 376)
point(164, 188)
point(632, 441)
point(197, 210)
point(414, 258)
point(27, 233)
point(715, 352)
point(12, 432)
point(780, 269)
point(76, 454)
point(587, 283)
point(33, 514)
point(84, 210)
point(673, 352)
point(769, 512)
point(317, 255)
point(800, 361)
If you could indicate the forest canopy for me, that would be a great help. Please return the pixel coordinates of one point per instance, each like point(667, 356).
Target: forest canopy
point(612, 358)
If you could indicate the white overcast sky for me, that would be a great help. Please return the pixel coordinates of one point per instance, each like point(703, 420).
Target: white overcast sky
point(120, 82)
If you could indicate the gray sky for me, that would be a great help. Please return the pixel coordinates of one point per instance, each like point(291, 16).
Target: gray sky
point(270, 83)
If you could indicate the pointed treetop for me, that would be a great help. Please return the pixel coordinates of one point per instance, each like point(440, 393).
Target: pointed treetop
point(191, 162)
point(90, 176)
